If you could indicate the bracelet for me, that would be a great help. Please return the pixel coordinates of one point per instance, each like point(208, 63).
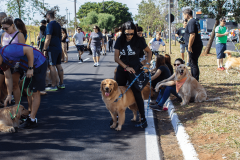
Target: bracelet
point(125, 68)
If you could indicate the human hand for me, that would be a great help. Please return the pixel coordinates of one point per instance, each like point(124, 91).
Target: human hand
point(145, 68)
point(130, 70)
point(29, 73)
point(190, 49)
point(158, 86)
point(227, 33)
point(45, 53)
point(8, 99)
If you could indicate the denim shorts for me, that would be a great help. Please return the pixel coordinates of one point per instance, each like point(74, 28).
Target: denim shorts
point(220, 48)
point(182, 48)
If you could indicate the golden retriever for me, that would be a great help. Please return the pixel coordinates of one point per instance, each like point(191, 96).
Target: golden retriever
point(6, 123)
point(191, 88)
point(110, 92)
point(232, 62)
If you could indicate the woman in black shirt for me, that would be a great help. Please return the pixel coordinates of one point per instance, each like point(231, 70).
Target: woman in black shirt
point(128, 47)
point(161, 71)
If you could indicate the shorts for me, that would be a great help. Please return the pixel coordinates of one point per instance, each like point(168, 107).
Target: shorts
point(80, 47)
point(54, 58)
point(220, 48)
point(38, 79)
point(13, 70)
point(182, 48)
point(96, 51)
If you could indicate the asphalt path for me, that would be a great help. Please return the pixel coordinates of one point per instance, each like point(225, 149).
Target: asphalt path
point(230, 45)
point(74, 122)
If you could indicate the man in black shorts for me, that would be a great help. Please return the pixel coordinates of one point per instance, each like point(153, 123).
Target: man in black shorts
point(53, 51)
point(193, 42)
point(78, 41)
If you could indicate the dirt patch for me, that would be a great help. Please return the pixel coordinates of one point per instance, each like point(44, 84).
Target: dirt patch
point(167, 138)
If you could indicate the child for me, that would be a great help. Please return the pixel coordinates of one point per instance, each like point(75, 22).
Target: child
point(35, 65)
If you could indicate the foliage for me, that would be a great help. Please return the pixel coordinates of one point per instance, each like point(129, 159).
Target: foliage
point(24, 8)
point(118, 10)
point(103, 20)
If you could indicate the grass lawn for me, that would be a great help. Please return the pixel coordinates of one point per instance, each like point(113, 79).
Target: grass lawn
point(214, 127)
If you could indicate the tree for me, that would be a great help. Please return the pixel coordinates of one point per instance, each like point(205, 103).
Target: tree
point(118, 10)
point(103, 20)
point(24, 8)
point(214, 9)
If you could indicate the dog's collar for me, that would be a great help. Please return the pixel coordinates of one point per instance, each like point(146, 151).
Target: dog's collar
point(120, 96)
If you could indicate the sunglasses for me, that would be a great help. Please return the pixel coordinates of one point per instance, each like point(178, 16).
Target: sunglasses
point(6, 28)
point(176, 64)
point(224, 21)
point(79, 29)
point(129, 34)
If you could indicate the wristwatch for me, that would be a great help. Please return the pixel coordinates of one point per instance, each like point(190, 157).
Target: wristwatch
point(30, 68)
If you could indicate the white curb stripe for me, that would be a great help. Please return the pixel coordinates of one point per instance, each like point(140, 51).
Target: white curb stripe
point(152, 150)
point(187, 148)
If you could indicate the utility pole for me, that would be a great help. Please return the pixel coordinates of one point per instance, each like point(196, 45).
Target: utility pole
point(75, 19)
point(169, 22)
point(67, 18)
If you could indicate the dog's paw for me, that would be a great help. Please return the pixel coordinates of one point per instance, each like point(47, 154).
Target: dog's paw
point(10, 130)
point(183, 104)
point(119, 128)
point(133, 120)
point(113, 126)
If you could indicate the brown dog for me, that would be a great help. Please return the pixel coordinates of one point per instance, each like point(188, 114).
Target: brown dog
point(6, 123)
point(191, 88)
point(110, 92)
point(232, 62)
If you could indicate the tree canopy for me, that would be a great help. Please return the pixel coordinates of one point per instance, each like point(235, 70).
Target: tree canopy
point(118, 10)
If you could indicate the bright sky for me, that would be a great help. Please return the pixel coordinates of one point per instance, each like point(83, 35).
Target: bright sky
point(63, 4)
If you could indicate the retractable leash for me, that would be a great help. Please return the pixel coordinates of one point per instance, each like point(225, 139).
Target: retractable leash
point(12, 117)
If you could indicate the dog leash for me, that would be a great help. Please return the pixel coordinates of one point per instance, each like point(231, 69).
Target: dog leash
point(12, 117)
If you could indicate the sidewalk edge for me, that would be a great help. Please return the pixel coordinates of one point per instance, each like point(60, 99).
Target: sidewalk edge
point(185, 144)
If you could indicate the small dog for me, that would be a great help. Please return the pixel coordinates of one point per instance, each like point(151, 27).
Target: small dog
point(232, 62)
point(110, 92)
point(6, 123)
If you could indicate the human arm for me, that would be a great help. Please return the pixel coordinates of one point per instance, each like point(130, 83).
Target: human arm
point(149, 57)
point(9, 84)
point(157, 74)
point(2, 38)
point(221, 35)
point(21, 38)
point(191, 40)
point(46, 44)
point(176, 35)
point(169, 83)
point(28, 51)
point(64, 36)
point(166, 80)
point(89, 42)
point(118, 60)
point(102, 43)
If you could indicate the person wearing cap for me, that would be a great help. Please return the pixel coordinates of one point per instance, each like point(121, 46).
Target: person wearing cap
point(2, 16)
point(34, 63)
point(43, 23)
point(53, 51)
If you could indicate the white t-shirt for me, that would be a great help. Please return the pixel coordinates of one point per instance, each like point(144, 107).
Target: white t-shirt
point(155, 44)
point(78, 38)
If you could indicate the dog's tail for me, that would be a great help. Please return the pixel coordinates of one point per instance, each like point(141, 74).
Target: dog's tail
point(212, 99)
point(228, 53)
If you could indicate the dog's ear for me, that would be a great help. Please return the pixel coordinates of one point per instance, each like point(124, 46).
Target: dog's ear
point(115, 86)
point(101, 86)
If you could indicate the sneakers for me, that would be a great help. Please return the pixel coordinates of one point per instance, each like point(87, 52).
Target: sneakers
point(156, 108)
point(95, 65)
point(187, 64)
point(98, 64)
point(142, 124)
point(61, 86)
point(221, 69)
point(51, 88)
point(80, 60)
point(29, 124)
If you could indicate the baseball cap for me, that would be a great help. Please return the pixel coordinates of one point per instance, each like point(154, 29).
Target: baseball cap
point(49, 12)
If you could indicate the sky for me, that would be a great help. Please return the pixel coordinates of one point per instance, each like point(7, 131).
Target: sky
point(63, 4)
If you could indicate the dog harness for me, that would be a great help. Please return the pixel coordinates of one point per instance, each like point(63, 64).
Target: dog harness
point(180, 83)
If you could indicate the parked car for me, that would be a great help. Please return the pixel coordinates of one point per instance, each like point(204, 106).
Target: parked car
point(205, 35)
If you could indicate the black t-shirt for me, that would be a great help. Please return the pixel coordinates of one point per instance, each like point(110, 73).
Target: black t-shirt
point(193, 26)
point(181, 32)
point(110, 36)
point(170, 68)
point(132, 49)
point(165, 74)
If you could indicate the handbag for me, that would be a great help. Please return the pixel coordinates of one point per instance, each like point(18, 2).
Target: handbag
point(142, 79)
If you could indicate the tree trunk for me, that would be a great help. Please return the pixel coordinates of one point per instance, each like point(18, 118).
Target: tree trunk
point(209, 45)
point(19, 9)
